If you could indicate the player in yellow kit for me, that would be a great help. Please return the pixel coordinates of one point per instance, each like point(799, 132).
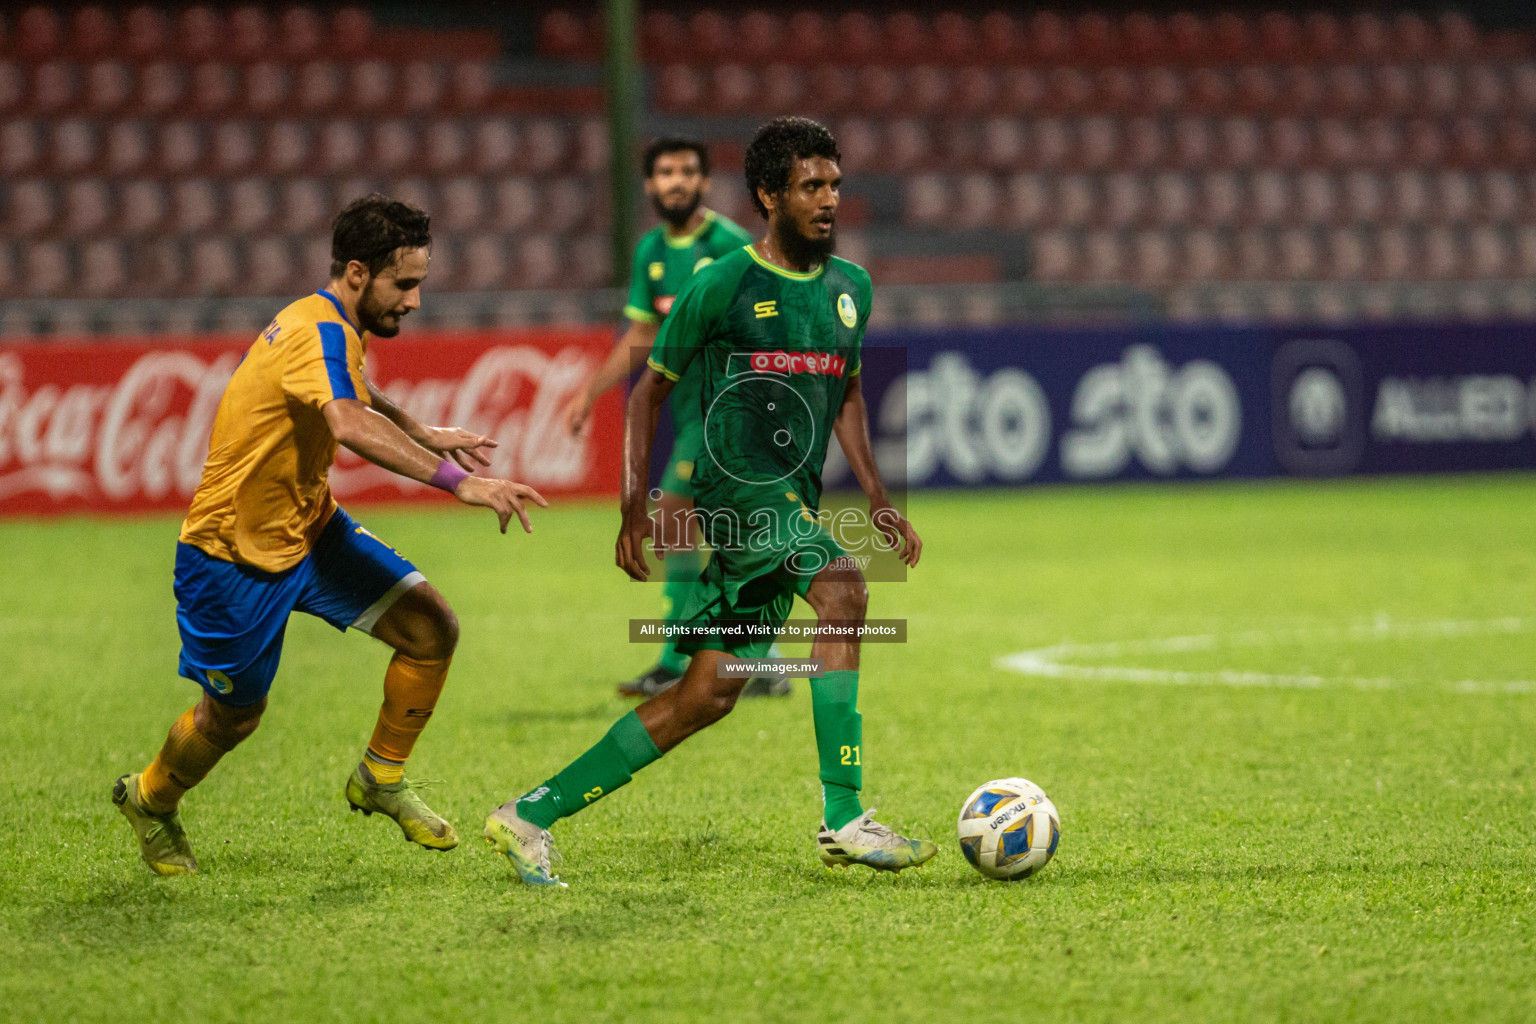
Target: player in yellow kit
point(264, 536)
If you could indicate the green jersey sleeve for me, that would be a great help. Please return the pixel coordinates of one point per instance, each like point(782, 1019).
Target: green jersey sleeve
point(701, 303)
point(865, 302)
point(641, 305)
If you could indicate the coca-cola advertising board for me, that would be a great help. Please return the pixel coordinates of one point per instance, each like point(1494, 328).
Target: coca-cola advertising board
point(109, 427)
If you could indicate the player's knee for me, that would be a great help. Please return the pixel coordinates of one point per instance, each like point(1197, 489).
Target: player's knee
point(427, 630)
point(847, 601)
point(443, 635)
point(227, 726)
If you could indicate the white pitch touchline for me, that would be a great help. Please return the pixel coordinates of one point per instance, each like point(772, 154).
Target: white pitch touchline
point(1049, 662)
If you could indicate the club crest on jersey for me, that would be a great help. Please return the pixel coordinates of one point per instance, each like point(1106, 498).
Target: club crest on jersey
point(823, 363)
point(657, 270)
point(847, 312)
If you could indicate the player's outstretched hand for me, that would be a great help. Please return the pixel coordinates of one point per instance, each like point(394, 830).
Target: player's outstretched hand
point(462, 445)
point(504, 497)
point(897, 532)
point(629, 552)
point(575, 413)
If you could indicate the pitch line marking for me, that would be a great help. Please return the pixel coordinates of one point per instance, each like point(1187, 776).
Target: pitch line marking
point(1053, 662)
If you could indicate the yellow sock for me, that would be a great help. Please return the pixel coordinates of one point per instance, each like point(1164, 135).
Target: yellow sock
point(411, 689)
point(185, 760)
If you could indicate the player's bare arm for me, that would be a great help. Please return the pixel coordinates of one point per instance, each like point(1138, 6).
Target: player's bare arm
point(640, 418)
point(852, 429)
point(373, 436)
point(464, 446)
point(626, 356)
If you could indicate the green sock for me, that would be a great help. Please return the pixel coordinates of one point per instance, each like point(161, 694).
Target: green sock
point(612, 761)
point(839, 739)
point(682, 576)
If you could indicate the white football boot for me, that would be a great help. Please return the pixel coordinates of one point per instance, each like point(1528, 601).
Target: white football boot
point(865, 841)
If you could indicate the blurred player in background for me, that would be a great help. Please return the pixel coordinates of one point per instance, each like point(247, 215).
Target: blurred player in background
point(774, 332)
point(689, 237)
point(264, 536)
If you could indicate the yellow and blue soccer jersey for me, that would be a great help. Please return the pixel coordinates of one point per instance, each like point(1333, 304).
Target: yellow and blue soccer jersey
point(264, 496)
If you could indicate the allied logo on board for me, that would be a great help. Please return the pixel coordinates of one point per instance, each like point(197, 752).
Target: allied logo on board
point(846, 310)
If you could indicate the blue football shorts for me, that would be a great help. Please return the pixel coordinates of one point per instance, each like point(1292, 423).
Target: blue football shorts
point(232, 617)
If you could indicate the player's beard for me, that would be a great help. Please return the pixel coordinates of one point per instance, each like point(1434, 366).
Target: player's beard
point(677, 216)
point(803, 251)
point(371, 314)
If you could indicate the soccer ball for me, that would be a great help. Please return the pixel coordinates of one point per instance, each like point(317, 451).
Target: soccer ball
point(1009, 829)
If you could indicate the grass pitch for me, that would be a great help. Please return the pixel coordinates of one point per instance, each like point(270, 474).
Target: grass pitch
point(1289, 728)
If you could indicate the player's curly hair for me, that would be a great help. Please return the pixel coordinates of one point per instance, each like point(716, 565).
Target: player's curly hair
point(779, 143)
point(675, 144)
point(373, 229)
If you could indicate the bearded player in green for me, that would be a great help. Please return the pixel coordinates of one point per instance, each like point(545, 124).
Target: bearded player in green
point(775, 330)
point(689, 237)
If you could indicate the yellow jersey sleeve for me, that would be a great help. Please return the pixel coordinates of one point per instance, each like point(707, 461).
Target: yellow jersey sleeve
point(324, 362)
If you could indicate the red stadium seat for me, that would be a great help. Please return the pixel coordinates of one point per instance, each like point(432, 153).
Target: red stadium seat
point(422, 86)
point(565, 204)
point(859, 141)
point(1104, 256)
point(1068, 90)
point(1362, 197)
point(460, 204)
point(1204, 255)
point(1368, 36)
point(1255, 89)
point(591, 145)
point(1297, 256)
point(1022, 90)
point(760, 35)
point(351, 32)
point(1230, 38)
point(1410, 196)
point(1279, 36)
point(1188, 36)
point(55, 86)
point(287, 148)
point(251, 206)
point(47, 269)
point(1443, 255)
point(926, 200)
point(1525, 250)
point(564, 34)
point(215, 88)
point(39, 33)
point(907, 37)
point(142, 207)
point(234, 147)
point(1098, 139)
point(1240, 142)
point(955, 37)
point(103, 268)
point(340, 147)
point(878, 89)
point(21, 147)
point(1381, 142)
point(87, 207)
point(267, 87)
point(1424, 143)
point(547, 144)
point(1057, 256)
point(1152, 258)
point(810, 37)
point(494, 146)
point(975, 90)
point(319, 86)
point(1289, 143)
point(857, 38)
point(1028, 203)
point(977, 201)
point(1124, 199)
point(200, 33)
point(370, 86)
point(1498, 196)
point(1484, 89)
point(928, 89)
point(146, 33)
point(161, 88)
point(269, 266)
point(75, 145)
point(195, 206)
point(514, 204)
point(711, 36)
point(680, 87)
point(1220, 200)
point(538, 262)
point(304, 205)
point(1339, 143)
point(249, 34)
point(108, 86)
point(783, 88)
point(484, 264)
point(1346, 256)
point(1487, 252)
point(1458, 34)
point(32, 207)
point(1252, 256)
point(585, 265)
point(93, 32)
point(1002, 37)
point(1270, 195)
point(1146, 144)
point(215, 266)
point(300, 34)
point(662, 37)
point(1193, 142)
point(469, 84)
point(907, 144)
point(1317, 197)
point(1323, 36)
point(1077, 199)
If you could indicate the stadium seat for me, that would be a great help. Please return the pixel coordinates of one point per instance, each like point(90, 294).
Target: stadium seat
point(75, 145)
point(46, 268)
point(31, 207)
point(142, 206)
point(783, 88)
point(103, 269)
point(249, 34)
point(537, 261)
point(1153, 258)
point(214, 266)
point(1346, 256)
point(55, 86)
point(760, 35)
point(234, 147)
point(351, 32)
point(1220, 199)
point(1317, 199)
point(1203, 256)
point(251, 205)
point(422, 87)
point(87, 207)
point(1253, 256)
point(39, 33)
point(300, 34)
point(711, 36)
point(1056, 256)
point(200, 33)
point(1270, 197)
point(108, 87)
point(340, 147)
point(305, 205)
point(1487, 252)
point(319, 86)
point(162, 86)
point(484, 264)
point(146, 33)
point(21, 147)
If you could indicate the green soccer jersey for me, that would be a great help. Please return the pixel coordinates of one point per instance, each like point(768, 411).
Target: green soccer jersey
point(773, 351)
point(664, 264)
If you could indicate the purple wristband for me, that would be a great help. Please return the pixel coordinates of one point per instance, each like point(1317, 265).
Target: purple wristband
point(448, 476)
